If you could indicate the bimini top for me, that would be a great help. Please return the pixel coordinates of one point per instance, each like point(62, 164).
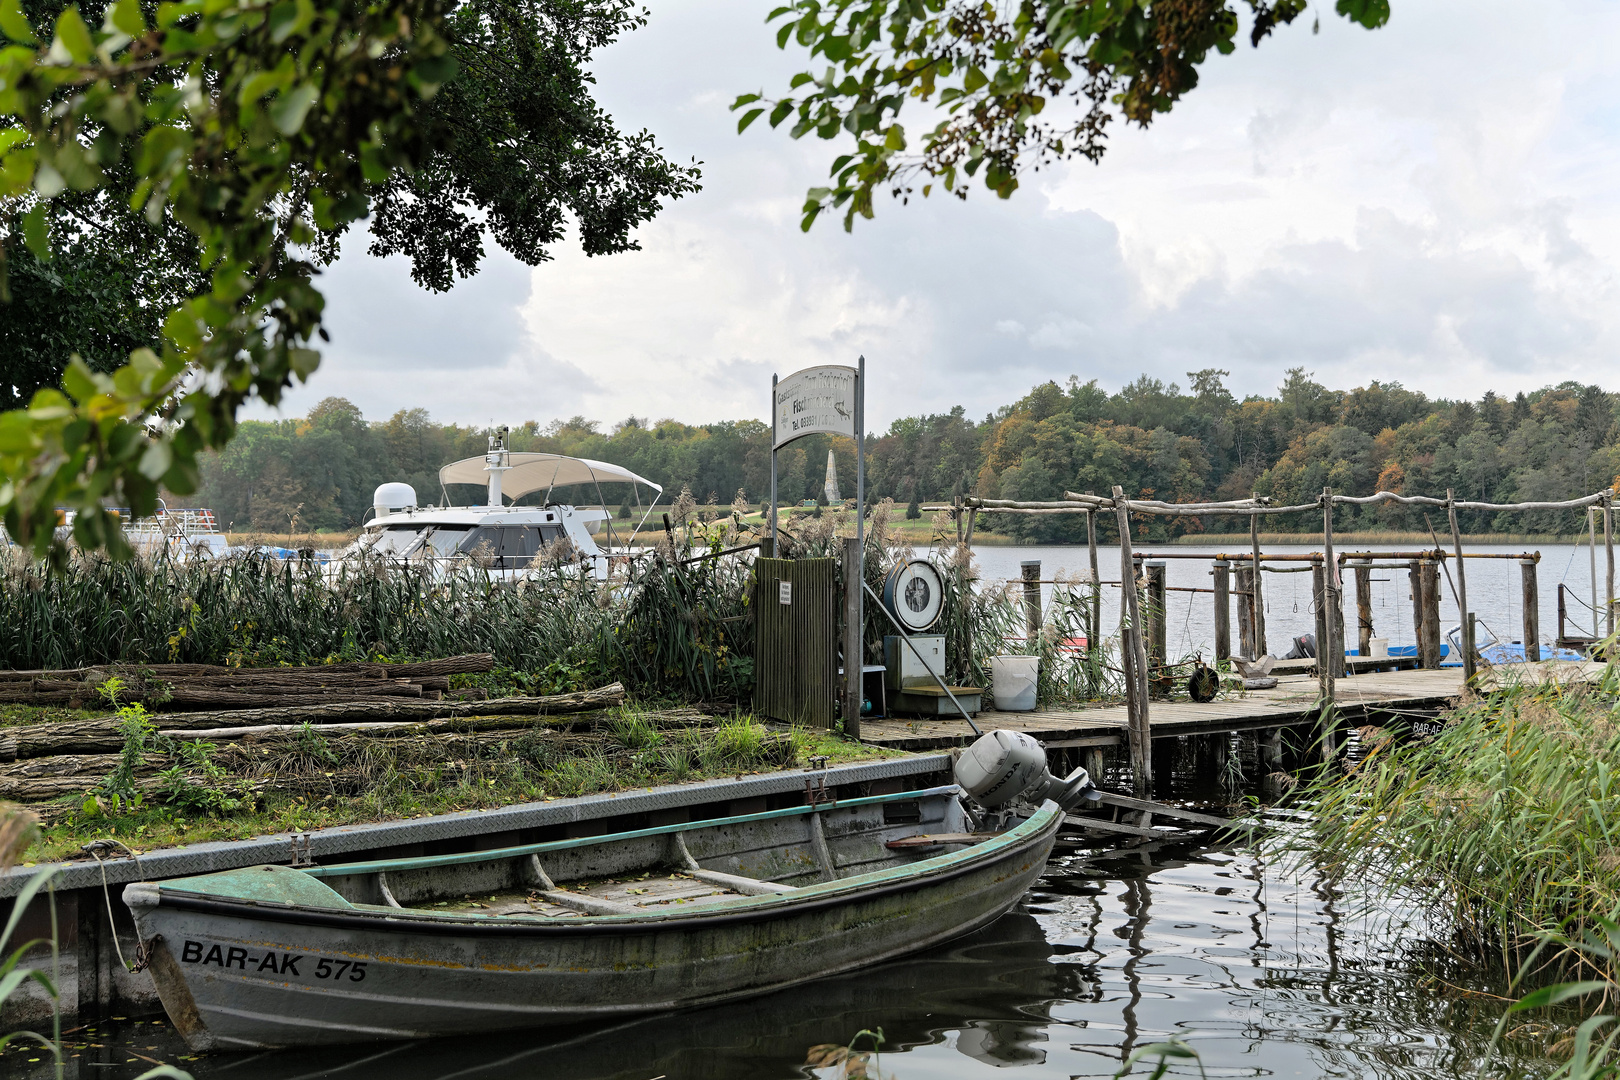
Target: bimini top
point(539, 472)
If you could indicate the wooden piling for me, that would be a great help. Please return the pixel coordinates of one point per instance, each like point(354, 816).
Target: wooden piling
point(1319, 607)
point(1094, 631)
point(1431, 613)
point(1157, 619)
point(1223, 610)
point(1414, 581)
point(1245, 585)
point(1333, 593)
point(1257, 605)
point(1608, 550)
point(1140, 734)
point(1462, 590)
point(1032, 601)
point(1364, 618)
point(854, 654)
point(1531, 603)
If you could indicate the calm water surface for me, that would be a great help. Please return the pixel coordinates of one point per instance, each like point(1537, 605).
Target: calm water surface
point(1258, 970)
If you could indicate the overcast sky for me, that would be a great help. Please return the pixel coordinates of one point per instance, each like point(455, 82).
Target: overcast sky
point(1432, 203)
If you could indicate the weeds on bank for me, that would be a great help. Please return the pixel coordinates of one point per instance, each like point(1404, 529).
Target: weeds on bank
point(311, 780)
point(1507, 823)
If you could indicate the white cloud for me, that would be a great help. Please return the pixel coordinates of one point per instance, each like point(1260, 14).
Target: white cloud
point(1434, 203)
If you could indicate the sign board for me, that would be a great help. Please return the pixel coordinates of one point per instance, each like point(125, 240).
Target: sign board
point(784, 592)
point(817, 400)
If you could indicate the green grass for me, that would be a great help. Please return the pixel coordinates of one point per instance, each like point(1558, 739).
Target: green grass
point(347, 780)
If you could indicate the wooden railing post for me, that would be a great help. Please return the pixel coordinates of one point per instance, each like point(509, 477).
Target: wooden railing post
point(1532, 610)
point(1414, 579)
point(1257, 606)
point(1223, 610)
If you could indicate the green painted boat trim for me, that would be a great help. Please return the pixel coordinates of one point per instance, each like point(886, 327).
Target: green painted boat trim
point(461, 858)
point(822, 890)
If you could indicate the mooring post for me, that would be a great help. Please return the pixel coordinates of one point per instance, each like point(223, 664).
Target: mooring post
point(1095, 766)
point(1094, 631)
point(1462, 590)
point(1333, 592)
point(1364, 620)
point(1257, 607)
point(1531, 603)
point(1431, 613)
point(1157, 619)
point(1608, 550)
point(1131, 650)
point(1223, 610)
point(1414, 581)
point(854, 654)
point(1319, 607)
point(973, 519)
point(1245, 588)
point(1032, 601)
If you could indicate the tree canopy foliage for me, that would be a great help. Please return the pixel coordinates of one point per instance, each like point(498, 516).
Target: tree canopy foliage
point(1156, 440)
point(179, 175)
point(1010, 84)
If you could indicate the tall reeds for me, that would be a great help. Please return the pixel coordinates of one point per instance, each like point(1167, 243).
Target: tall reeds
point(1506, 823)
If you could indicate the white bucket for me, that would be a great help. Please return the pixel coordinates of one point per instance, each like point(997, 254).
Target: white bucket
point(1012, 682)
point(1378, 648)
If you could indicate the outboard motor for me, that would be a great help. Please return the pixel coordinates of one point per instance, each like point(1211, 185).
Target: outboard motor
point(1304, 648)
point(1002, 766)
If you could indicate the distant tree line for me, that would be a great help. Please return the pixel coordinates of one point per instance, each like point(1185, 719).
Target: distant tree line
point(1152, 439)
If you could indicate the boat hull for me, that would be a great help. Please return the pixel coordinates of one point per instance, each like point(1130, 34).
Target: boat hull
point(233, 973)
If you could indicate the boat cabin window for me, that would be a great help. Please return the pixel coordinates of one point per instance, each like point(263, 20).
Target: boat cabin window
point(509, 547)
point(446, 540)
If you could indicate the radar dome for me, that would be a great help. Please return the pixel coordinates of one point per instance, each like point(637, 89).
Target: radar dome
point(392, 498)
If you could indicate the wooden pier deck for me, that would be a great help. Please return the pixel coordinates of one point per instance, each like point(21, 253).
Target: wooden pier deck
point(1292, 701)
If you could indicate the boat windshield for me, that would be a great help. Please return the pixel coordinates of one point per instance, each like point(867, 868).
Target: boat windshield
point(397, 541)
point(445, 540)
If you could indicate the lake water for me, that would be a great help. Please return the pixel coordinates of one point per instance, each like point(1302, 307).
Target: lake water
point(1262, 972)
point(1494, 592)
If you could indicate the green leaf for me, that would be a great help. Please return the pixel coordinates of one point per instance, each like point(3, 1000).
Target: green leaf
point(288, 110)
point(1369, 13)
point(744, 99)
point(35, 234)
point(781, 112)
point(437, 70)
point(126, 15)
point(748, 118)
point(1559, 992)
point(17, 434)
point(79, 381)
point(14, 24)
point(282, 21)
point(74, 36)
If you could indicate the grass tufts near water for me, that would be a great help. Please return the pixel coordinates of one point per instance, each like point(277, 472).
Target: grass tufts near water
point(1506, 823)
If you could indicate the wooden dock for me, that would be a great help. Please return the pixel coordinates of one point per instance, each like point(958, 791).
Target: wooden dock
point(1292, 701)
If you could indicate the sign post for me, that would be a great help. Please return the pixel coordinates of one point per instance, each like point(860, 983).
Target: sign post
point(830, 400)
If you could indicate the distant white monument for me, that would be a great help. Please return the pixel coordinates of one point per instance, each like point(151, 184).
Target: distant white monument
point(831, 486)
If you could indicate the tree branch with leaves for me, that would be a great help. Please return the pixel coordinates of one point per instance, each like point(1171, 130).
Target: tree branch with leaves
point(1014, 84)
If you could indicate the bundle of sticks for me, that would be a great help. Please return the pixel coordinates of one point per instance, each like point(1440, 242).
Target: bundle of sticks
point(209, 686)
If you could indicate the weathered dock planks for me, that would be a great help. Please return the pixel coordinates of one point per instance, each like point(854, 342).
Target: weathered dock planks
point(1294, 700)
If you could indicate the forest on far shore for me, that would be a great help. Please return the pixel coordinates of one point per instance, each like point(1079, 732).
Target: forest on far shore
point(1155, 440)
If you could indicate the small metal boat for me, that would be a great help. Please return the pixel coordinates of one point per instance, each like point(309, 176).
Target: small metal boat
point(629, 923)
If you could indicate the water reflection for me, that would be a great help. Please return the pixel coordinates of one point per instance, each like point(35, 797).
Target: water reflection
point(1264, 975)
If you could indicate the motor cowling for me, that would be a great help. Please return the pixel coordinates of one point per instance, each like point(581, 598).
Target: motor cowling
point(1002, 766)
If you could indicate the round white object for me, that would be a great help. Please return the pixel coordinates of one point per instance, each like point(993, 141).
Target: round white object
point(914, 593)
point(392, 498)
point(1378, 648)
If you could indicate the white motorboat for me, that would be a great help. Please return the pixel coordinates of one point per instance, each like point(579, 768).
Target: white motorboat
point(504, 539)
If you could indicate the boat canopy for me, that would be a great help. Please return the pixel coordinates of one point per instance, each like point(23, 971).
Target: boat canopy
point(528, 472)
